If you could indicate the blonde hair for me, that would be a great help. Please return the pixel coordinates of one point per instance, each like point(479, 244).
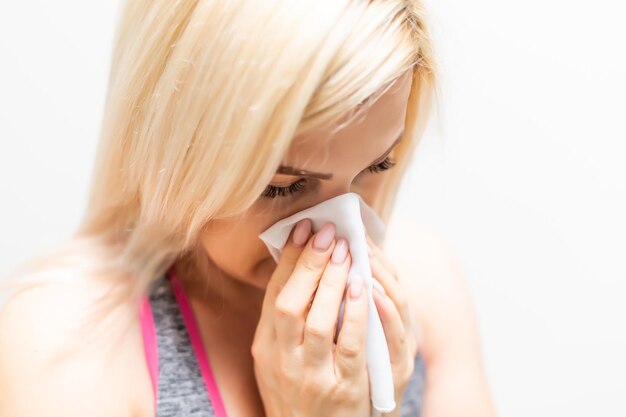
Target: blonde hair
point(204, 99)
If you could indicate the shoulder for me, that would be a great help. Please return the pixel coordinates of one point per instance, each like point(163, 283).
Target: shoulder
point(36, 329)
point(440, 298)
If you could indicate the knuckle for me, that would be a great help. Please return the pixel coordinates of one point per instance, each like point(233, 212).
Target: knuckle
point(289, 255)
point(356, 318)
point(317, 331)
point(311, 264)
point(349, 367)
point(351, 352)
point(255, 350)
point(332, 283)
point(284, 309)
point(402, 339)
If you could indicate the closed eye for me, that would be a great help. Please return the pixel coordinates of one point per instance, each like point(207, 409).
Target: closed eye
point(272, 191)
point(382, 166)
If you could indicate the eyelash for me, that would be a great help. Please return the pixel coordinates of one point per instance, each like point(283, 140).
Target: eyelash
point(273, 191)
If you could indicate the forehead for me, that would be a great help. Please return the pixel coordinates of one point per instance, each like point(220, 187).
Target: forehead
point(362, 140)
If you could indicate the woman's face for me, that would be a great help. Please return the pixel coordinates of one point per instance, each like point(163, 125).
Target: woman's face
point(233, 245)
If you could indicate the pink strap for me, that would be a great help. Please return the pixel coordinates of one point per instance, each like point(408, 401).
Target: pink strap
point(150, 343)
point(198, 346)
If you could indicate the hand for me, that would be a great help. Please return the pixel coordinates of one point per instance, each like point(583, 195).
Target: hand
point(299, 369)
point(400, 332)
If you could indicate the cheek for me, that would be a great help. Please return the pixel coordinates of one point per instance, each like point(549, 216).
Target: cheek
point(369, 186)
point(241, 256)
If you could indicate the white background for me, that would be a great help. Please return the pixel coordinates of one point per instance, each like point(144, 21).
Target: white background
point(523, 173)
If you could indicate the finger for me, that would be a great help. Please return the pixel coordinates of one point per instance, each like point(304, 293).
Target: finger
point(296, 241)
point(395, 332)
point(293, 300)
point(321, 322)
point(350, 352)
point(391, 286)
point(381, 256)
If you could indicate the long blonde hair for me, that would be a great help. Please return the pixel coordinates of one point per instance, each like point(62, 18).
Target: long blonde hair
point(204, 99)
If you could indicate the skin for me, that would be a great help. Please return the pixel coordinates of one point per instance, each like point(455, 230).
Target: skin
point(427, 303)
point(238, 259)
point(238, 263)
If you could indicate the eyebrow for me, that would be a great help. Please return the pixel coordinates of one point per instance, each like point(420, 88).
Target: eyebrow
point(287, 170)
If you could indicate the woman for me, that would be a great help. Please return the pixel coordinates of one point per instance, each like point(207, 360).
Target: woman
point(223, 117)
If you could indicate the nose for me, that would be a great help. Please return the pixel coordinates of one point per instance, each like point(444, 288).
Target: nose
point(334, 190)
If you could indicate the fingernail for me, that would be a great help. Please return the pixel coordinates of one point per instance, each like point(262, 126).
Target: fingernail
point(356, 286)
point(302, 232)
point(377, 286)
point(324, 237)
point(340, 252)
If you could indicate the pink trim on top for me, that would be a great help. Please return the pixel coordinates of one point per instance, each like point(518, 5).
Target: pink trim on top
point(197, 344)
point(150, 343)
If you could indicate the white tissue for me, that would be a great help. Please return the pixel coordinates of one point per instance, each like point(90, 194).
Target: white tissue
point(351, 217)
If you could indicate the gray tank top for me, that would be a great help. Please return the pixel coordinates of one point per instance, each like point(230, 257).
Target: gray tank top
point(182, 379)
